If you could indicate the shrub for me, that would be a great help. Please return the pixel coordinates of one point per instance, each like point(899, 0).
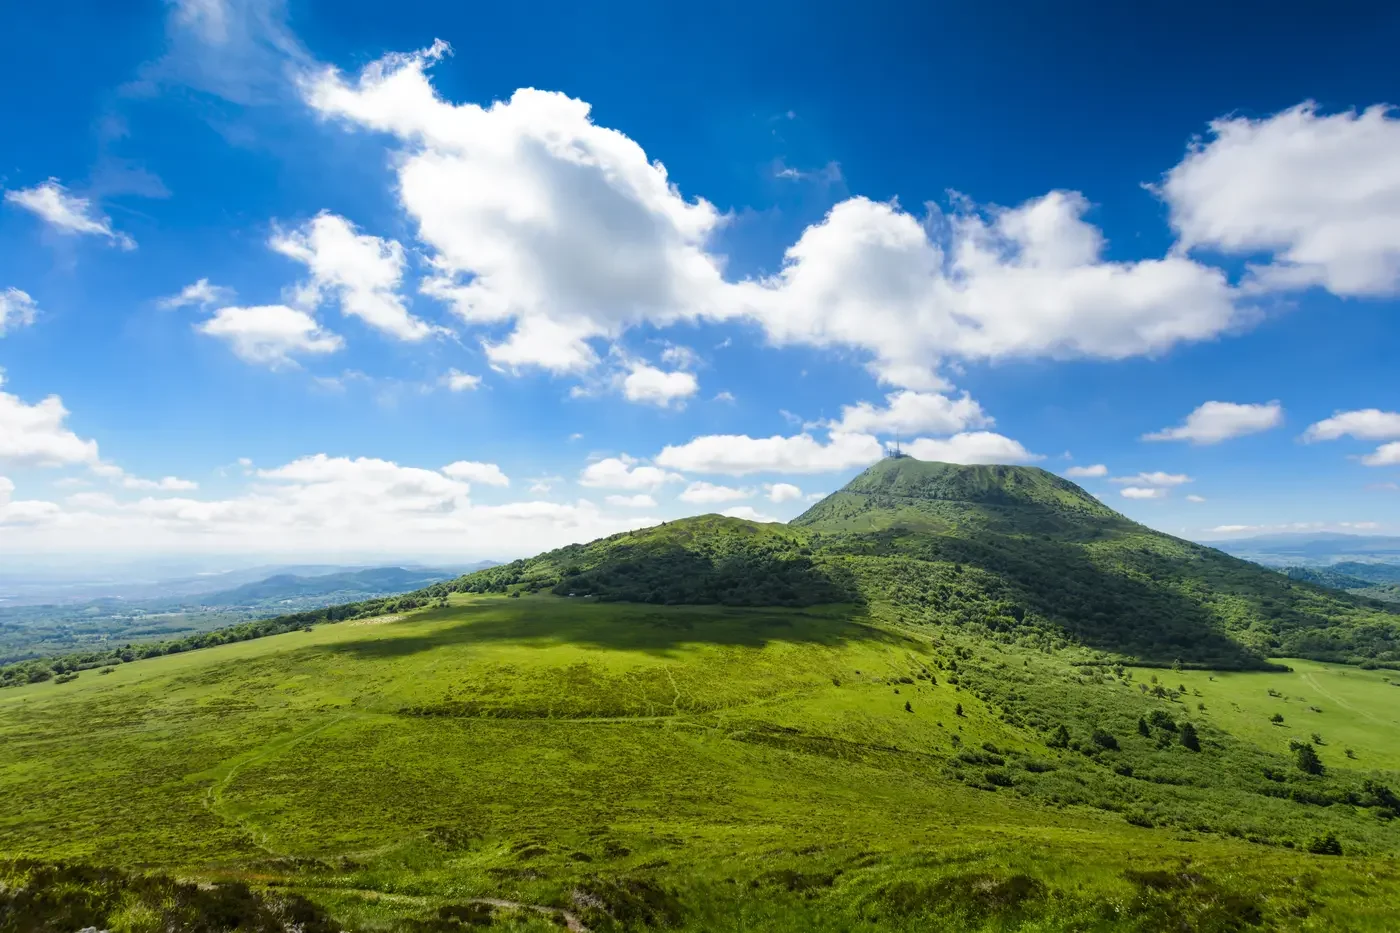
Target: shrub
point(1189, 739)
point(1305, 757)
point(1059, 738)
point(1104, 740)
point(1325, 845)
point(1276, 719)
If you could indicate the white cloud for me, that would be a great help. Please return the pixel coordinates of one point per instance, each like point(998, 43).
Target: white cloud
point(909, 412)
point(680, 357)
point(1384, 455)
point(971, 447)
point(725, 396)
point(36, 435)
point(749, 513)
point(67, 213)
point(1143, 492)
point(533, 213)
point(624, 472)
point(1195, 498)
point(17, 309)
point(164, 484)
point(458, 381)
point(700, 492)
point(1296, 527)
point(536, 217)
point(1087, 472)
point(270, 334)
point(1214, 422)
point(200, 293)
point(740, 455)
point(648, 384)
point(240, 50)
point(364, 273)
point(317, 504)
point(981, 284)
point(1321, 193)
point(1157, 478)
point(1369, 424)
point(640, 501)
point(783, 492)
point(488, 474)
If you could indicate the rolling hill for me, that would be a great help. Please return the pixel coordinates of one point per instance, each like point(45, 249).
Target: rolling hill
point(915, 707)
point(1006, 547)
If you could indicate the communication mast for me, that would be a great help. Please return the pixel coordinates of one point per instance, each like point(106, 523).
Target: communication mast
point(893, 451)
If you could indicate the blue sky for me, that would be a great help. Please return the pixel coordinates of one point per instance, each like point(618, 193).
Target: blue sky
point(413, 281)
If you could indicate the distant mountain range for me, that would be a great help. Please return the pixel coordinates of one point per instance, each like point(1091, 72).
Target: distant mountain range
point(1313, 549)
point(173, 608)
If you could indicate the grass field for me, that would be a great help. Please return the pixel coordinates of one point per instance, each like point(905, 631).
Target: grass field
point(1347, 706)
point(701, 768)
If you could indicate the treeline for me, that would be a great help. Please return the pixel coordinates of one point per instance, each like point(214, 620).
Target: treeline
point(66, 666)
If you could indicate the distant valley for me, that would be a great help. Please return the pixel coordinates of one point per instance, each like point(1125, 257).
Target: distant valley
point(188, 605)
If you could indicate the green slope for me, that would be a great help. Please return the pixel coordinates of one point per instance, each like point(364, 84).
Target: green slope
point(692, 768)
point(1002, 548)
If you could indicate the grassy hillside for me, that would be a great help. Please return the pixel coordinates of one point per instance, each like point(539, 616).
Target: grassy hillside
point(914, 708)
point(1006, 548)
point(541, 759)
point(1372, 581)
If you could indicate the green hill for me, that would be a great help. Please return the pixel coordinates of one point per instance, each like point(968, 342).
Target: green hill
point(913, 708)
point(1373, 581)
point(1006, 548)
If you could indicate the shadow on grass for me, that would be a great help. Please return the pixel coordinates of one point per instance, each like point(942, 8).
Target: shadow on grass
point(545, 621)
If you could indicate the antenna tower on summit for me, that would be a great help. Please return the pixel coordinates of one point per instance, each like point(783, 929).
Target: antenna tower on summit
point(893, 451)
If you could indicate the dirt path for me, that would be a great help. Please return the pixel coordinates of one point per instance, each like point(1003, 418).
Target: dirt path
point(571, 921)
point(1308, 679)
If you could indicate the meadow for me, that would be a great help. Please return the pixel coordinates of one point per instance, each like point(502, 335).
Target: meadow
point(535, 761)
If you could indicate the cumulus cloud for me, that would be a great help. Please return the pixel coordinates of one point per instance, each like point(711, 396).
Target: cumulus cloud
point(17, 309)
point(533, 213)
point(624, 472)
point(971, 447)
point(645, 383)
point(458, 381)
point(741, 455)
point(1369, 424)
point(1087, 472)
point(1214, 422)
point(363, 272)
point(639, 501)
point(749, 513)
point(538, 219)
point(981, 284)
point(488, 474)
point(322, 504)
point(199, 294)
point(1156, 478)
point(909, 412)
point(1384, 455)
point(783, 492)
point(67, 213)
point(700, 492)
point(1143, 492)
point(270, 335)
point(1195, 498)
point(1319, 192)
point(37, 435)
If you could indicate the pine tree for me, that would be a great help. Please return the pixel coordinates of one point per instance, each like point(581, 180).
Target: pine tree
point(1143, 728)
point(1189, 738)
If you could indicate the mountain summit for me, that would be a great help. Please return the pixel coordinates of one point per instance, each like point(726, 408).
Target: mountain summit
point(939, 496)
point(1007, 550)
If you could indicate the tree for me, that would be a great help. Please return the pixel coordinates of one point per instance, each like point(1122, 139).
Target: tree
point(1325, 845)
point(1105, 740)
point(907, 707)
point(1143, 728)
point(1276, 719)
point(1189, 738)
point(958, 711)
point(1059, 738)
point(1305, 757)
